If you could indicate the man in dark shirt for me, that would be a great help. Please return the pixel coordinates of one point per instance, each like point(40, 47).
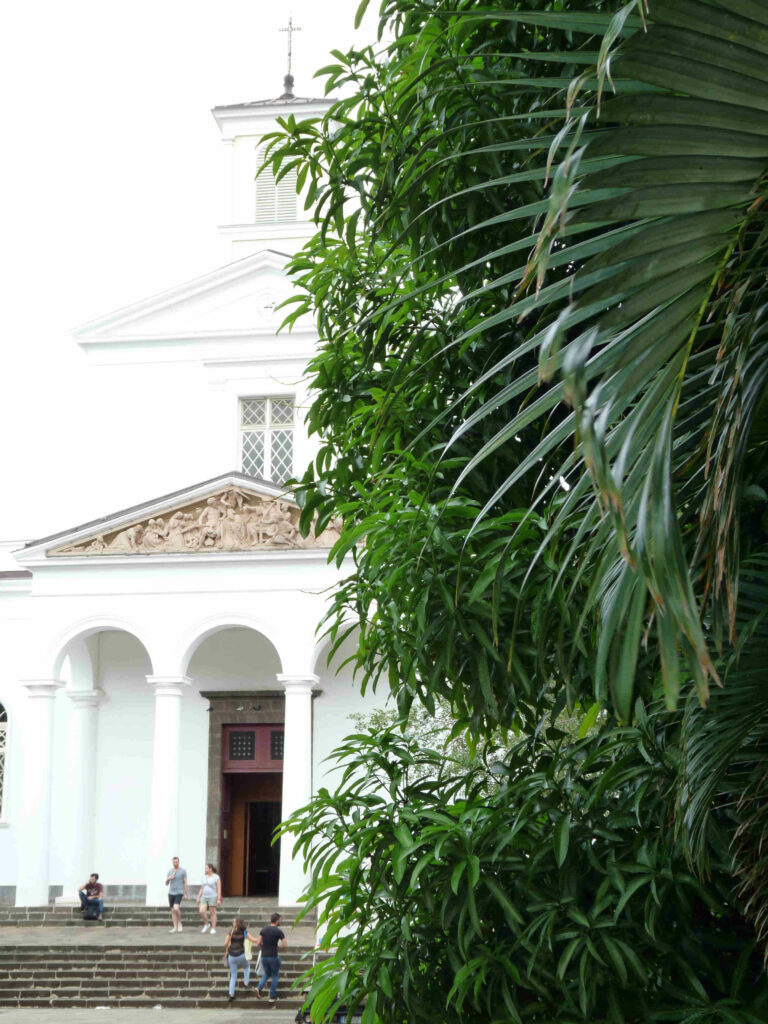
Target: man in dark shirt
point(93, 892)
point(269, 940)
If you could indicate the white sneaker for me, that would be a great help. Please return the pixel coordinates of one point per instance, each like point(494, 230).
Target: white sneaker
point(172, 930)
point(179, 928)
point(213, 931)
point(205, 928)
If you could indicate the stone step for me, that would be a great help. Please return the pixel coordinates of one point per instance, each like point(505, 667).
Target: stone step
point(118, 970)
point(229, 903)
point(130, 923)
point(217, 1001)
point(156, 954)
point(90, 966)
point(83, 977)
point(189, 906)
point(16, 976)
point(146, 950)
point(156, 991)
point(33, 984)
point(178, 958)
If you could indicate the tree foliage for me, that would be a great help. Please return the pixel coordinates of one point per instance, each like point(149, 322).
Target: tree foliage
point(553, 892)
point(539, 277)
point(519, 281)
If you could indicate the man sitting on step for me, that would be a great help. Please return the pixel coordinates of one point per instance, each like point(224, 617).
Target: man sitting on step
point(92, 893)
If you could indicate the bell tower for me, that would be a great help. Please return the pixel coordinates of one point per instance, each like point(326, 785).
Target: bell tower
point(258, 212)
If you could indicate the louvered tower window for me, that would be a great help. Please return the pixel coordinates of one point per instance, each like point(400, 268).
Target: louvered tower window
point(275, 200)
point(266, 437)
point(3, 752)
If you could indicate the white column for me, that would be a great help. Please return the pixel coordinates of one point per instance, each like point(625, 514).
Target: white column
point(297, 776)
point(83, 725)
point(164, 789)
point(35, 812)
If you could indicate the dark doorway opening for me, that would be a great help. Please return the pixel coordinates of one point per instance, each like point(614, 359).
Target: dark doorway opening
point(262, 858)
point(251, 803)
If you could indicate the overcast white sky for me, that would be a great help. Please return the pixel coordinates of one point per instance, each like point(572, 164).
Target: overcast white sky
point(109, 186)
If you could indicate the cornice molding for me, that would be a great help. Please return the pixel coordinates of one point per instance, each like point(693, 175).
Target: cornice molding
point(42, 688)
point(232, 273)
point(86, 699)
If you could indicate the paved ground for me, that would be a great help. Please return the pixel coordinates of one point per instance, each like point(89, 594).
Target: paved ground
point(86, 935)
point(230, 1016)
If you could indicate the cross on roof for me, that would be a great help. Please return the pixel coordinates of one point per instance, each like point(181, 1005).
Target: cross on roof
point(291, 28)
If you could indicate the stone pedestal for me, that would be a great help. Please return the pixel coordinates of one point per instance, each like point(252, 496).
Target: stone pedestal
point(83, 729)
point(36, 766)
point(297, 775)
point(164, 790)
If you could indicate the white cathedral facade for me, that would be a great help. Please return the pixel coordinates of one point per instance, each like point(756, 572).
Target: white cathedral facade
point(163, 690)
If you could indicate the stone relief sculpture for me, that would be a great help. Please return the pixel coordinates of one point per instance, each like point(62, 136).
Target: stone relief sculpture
point(229, 521)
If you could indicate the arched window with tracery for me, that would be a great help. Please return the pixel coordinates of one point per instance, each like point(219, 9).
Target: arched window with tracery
point(3, 752)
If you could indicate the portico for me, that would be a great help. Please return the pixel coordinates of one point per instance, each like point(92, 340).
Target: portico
point(182, 698)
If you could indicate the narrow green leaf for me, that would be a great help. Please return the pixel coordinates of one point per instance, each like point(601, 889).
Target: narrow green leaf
point(561, 839)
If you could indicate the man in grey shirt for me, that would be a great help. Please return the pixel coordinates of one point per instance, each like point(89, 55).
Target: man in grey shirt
point(178, 887)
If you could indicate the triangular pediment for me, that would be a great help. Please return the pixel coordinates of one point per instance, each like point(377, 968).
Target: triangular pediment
point(240, 297)
point(233, 513)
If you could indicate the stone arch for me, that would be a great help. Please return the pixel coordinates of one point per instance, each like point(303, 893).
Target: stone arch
point(86, 628)
point(208, 627)
point(324, 644)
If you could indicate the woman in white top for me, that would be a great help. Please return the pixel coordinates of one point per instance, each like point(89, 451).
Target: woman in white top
point(209, 898)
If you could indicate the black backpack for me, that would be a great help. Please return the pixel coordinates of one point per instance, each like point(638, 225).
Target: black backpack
point(91, 912)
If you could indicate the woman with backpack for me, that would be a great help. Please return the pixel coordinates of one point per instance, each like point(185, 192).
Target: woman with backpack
point(234, 949)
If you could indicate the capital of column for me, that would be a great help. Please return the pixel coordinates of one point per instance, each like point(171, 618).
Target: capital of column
point(41, 688)
point(168, 686)
point(300, 685)
point(86, 698)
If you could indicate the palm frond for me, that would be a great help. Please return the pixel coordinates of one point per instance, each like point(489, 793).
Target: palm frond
point(678, 296)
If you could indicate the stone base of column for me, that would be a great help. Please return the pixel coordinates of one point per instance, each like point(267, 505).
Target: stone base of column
point(32, 894)
point(157, 895)
point(69, 900)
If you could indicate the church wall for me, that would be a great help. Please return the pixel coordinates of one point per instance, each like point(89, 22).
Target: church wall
point(181, 434)
point(340, 698)
point(184, 428)
point(124, 760)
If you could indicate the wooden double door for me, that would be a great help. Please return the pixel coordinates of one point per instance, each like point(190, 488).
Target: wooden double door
point(252, 783)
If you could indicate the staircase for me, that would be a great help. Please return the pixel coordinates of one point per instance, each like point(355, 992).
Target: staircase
point(131, 967)
point(124, 976)
point(256, 914)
